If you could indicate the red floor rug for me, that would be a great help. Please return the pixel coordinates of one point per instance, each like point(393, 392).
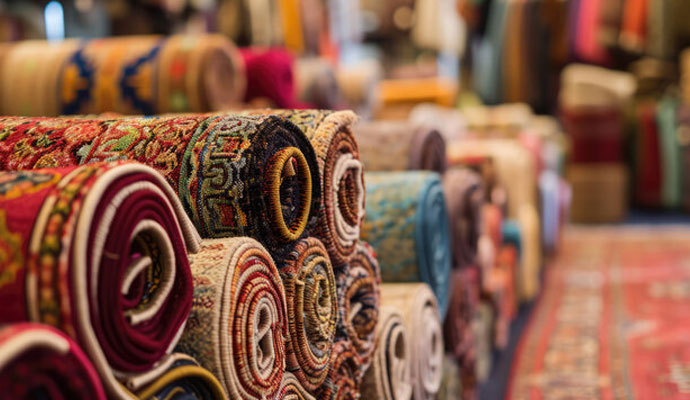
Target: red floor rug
point(613, 321)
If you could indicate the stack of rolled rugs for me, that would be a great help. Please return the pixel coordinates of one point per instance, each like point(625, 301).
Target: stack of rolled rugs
point(234, 244)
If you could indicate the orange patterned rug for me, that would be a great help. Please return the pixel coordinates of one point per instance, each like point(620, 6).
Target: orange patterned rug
point(613, 321)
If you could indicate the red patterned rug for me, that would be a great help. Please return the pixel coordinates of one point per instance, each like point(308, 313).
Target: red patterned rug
point(613, 321)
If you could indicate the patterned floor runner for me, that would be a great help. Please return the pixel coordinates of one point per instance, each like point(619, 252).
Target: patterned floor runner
point(613, 321)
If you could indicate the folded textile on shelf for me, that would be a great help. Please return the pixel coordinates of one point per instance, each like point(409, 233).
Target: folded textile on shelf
point(312, 307)
point(290, 389)
point(407, 224)
point(418, 306)
point(36, 358)
point(342, 183)
point(238, 323)
point(464, 194)
point(178, 375)
point(129, 75)
point(407, 145)
point(236, 175)
point(63, 251)
point(359, 299)
point(389, 378)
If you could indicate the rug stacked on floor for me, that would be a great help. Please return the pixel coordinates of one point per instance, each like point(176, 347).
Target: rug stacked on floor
point(39, 360)
point(408, 146)
point(63, 249)
point(129, 75)
point(235, 175)
point(407, 224)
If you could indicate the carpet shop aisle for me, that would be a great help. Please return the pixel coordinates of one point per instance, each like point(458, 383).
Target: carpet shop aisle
point(613, 321)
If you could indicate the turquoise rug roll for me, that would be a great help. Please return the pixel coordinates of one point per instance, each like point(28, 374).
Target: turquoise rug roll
point(407, 225)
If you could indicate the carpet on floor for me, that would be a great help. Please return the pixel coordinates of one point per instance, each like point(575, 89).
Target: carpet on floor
point(612, 321)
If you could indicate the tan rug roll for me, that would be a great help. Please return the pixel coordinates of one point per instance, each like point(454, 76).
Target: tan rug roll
point(417, 304)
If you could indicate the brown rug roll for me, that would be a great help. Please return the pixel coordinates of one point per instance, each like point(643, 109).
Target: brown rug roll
point(400, 145)
point(464, 193)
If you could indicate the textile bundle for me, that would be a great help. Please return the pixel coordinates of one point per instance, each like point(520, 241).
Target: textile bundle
point(312, 306)
point(345, 376)
point(342, 182)
point(359, 296)
point(63, 251)
point(418, 306)
point(388, 378)
point(408, 146)
point(238, 322)
point(464, 195)
point(236, 175)
point(128, 75)
point(38, 359)
point(178, 376)
point(407, 224)
point(291, 389)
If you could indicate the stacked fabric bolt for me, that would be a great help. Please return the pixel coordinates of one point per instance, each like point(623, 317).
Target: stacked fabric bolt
point(235, 175)
point(63, 251)
point(407, 224)
point(129, 75)
point(407, 146)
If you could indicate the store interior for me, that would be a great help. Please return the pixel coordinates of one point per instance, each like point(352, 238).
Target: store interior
point(344, 199)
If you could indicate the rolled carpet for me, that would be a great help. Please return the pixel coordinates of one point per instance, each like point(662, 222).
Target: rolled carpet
point(238, 323)
point(417, 304)
point(341, 175)
point(388, 378)
point(68, 234)
point(317, 84)
point(359, 296)
point(312, 306)
point(178, 376)
point(270, 74)
point(345, 375)
point(407, 146)
point(290, 389)
point(235, 175)
point(407, 224)
point(37, 360)
point(464, 194)
point(129, 75)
